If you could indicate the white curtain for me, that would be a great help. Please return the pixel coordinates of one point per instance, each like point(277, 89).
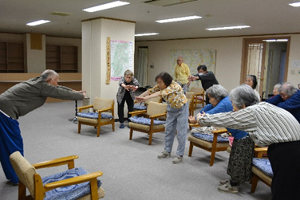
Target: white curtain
point(142, 73)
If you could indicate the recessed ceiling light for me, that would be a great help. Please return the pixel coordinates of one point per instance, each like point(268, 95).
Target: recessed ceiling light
point(39, 22)
point(178, 19)
point(276, 40)
point(145, 34)
point(106, 6)
point(227, 28)
point(295, 4)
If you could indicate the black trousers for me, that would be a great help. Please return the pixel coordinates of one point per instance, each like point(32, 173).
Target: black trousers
point(285, 162)
point(129, 102)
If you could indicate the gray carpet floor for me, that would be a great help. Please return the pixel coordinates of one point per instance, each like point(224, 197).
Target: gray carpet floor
point(131, 170)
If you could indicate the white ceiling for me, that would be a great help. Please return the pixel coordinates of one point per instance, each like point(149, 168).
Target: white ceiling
point(264, 17)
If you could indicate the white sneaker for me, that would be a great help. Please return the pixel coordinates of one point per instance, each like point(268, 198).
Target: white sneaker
point(223, 182)
point(164, 154)
point(228, 188)
point(177, 159)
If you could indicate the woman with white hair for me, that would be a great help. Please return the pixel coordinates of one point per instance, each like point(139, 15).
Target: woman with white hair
point(267, 125)
point(242, 151)
point(276, 89)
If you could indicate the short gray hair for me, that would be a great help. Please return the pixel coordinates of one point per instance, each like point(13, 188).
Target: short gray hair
point(128, 72)
point(217, 92)
point(288, 89)
point(277, 86)
point(48, 73)
point(243, 95)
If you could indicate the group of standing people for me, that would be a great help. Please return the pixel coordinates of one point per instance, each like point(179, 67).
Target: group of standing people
point(248, 120)
point(274, 123)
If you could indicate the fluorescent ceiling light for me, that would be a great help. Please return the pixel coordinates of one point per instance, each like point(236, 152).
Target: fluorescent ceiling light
point(178, 19)
point(39, 22)
point(145, 34)
point(227, 28)
point(295, 4)
point(106, 6)
point(276, 40)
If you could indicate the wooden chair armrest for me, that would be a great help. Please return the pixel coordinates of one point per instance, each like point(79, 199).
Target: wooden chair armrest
point(219, 130)
point(133, 113)
point(104, 110)
point(260, 151)
point(194, 125)
point(73, 181)
point(57, 162)
point(84, 107)
point(157, 116)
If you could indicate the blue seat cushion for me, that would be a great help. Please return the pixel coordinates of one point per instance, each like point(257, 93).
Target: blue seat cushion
point(69, 192)
point(93, 115)
point(264, 165)
point(146, 121)
point(139, 107)
point(209, 138)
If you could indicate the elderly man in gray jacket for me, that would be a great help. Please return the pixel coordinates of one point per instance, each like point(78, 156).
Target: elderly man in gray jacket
point(18, 101)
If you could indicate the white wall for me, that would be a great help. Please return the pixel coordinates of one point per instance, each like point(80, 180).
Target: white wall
point(36, 59)
point(228, 57)
point(294, 55)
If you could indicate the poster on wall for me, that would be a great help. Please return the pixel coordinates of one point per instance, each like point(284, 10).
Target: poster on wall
point(193, 58)
point(121, 53)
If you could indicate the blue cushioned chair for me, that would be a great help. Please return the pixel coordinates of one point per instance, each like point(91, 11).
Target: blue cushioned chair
point(75, 183)
point(207, 144)
point(154, 111)
point(261, 168)
point(103, 114)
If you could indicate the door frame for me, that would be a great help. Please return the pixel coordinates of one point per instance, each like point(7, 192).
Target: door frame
point(244, 61)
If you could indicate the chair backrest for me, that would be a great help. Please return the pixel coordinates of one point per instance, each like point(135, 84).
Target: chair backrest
point(24, 170)
point(155, 108)
point(189, 95)
point(197, 90)
point(157, 99)
point(101, 103)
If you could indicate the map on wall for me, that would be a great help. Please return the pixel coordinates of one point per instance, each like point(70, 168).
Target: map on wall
point(194, 58)
point(121, 58)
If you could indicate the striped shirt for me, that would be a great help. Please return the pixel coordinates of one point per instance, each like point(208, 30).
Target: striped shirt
point(265, 123)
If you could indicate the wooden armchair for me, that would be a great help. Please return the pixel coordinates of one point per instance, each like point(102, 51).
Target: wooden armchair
point(199, 96)
point(258, 173)
point(154, 111)
point(191, 99)
point(30, 179)
point(157, 99)
point(100, 106)
point(212, 147)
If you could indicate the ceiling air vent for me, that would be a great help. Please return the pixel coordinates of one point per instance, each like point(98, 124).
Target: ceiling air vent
point(165, 3)
point(63, 14)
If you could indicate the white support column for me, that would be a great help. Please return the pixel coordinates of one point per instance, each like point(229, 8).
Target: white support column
point(94, 63)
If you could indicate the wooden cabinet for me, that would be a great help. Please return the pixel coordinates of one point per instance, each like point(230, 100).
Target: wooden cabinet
point(12, 58)
point(62, 58)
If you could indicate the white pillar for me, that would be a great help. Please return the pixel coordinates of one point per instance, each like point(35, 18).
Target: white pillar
point(94, 63)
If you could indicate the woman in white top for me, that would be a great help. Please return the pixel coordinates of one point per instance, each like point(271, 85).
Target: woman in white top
point(251, 80)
